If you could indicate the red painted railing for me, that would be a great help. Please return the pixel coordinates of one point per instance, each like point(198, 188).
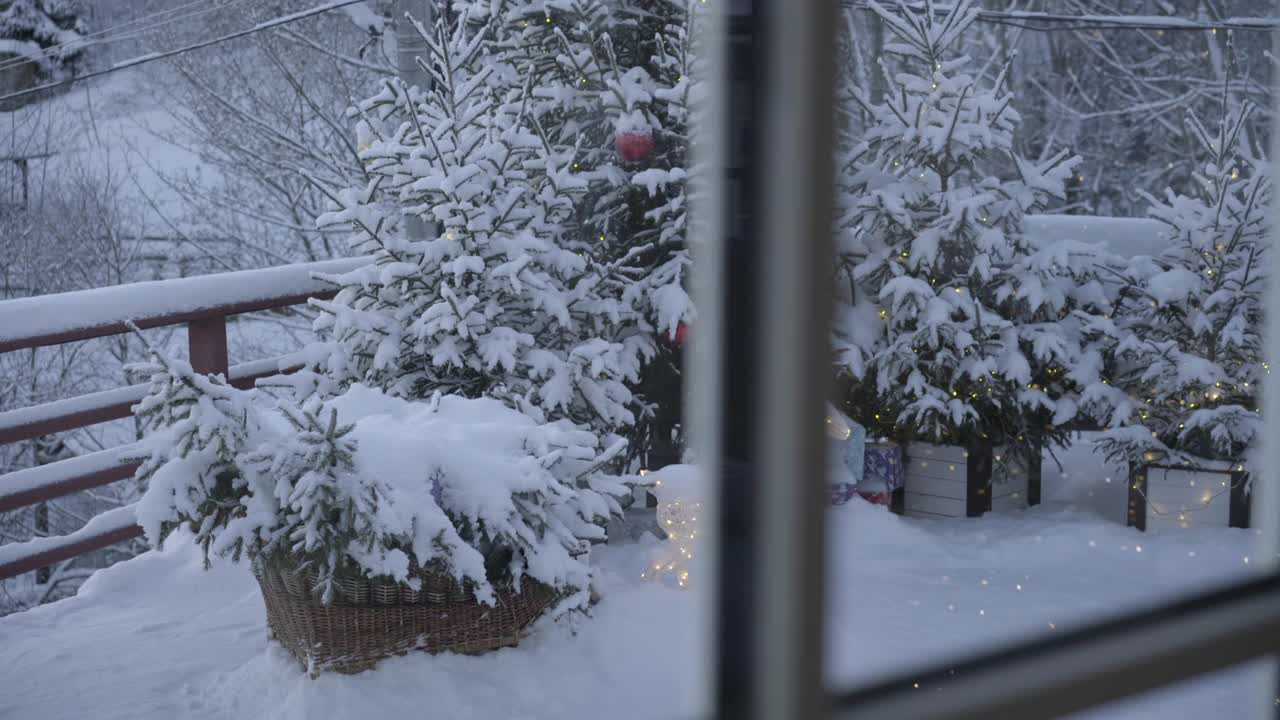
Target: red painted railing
point(201, 303)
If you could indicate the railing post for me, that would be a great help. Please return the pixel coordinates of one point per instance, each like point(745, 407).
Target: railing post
point(207, 345)
point(42, 530)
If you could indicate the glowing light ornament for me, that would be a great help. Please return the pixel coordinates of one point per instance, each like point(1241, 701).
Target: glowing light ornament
point(680, 505)
point(838, 426)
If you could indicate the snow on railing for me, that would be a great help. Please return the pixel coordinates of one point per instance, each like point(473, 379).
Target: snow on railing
point(85, 314)
point(46, 482)
point(84, 410)
point(115, 525)
point(203, 303)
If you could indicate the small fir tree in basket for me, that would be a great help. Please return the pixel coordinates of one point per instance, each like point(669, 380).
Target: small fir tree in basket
point(462, 410)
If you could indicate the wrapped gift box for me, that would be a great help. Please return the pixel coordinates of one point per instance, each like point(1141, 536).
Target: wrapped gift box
point(882, 473)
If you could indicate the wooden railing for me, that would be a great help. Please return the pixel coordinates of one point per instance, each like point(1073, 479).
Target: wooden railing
point(201, 303)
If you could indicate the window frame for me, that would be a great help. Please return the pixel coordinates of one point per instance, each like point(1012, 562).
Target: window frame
point(767, 605)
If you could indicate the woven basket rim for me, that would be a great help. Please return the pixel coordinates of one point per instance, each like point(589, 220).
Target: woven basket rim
point(436, 587)
point(353, 638)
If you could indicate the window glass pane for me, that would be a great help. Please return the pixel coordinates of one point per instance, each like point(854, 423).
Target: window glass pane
point(1052, 236)
point(500, 193)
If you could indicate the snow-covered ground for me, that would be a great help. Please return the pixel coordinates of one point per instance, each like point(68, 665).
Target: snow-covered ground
point(159, 637)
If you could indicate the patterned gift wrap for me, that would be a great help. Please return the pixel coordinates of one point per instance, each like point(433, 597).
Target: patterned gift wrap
point(882, 467)
point(841, 492)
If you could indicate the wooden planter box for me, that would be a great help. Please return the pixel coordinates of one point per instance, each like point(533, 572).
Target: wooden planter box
point(1206, 493)
point(954, 481)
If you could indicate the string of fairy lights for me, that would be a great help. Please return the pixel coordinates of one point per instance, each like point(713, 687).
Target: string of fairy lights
point(1211, 493)
point(679, 520)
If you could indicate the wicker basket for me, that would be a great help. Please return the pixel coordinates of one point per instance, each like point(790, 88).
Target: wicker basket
point(374, 619)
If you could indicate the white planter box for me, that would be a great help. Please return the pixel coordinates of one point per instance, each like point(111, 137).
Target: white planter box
point(945, 481)
point(1208, 493)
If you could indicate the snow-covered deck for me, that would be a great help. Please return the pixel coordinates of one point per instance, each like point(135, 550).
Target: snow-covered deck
point(159, 637)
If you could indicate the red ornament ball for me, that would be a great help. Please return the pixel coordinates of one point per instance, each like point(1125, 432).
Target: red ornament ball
point(682, 333)
point(633, 145)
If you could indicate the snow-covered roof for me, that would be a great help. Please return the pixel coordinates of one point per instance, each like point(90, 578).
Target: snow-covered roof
point(1127, 237)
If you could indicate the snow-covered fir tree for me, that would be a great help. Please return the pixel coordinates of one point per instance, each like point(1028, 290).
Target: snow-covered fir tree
point(615, 81)
point(362, 484)
point(197, 429)
point(51, 32)
point(950, 326)
point(1186, 343)
point(500, 304)
point(320, 501)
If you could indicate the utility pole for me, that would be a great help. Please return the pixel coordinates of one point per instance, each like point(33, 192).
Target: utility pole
point(23, 164)
point(410, 46)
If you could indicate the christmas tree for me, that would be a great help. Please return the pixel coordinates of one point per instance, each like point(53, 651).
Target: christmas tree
point(1186, 343)
point(499, 304)
point(463, 403)
point(48, 31)
point(615, 81)
point(950, 325)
